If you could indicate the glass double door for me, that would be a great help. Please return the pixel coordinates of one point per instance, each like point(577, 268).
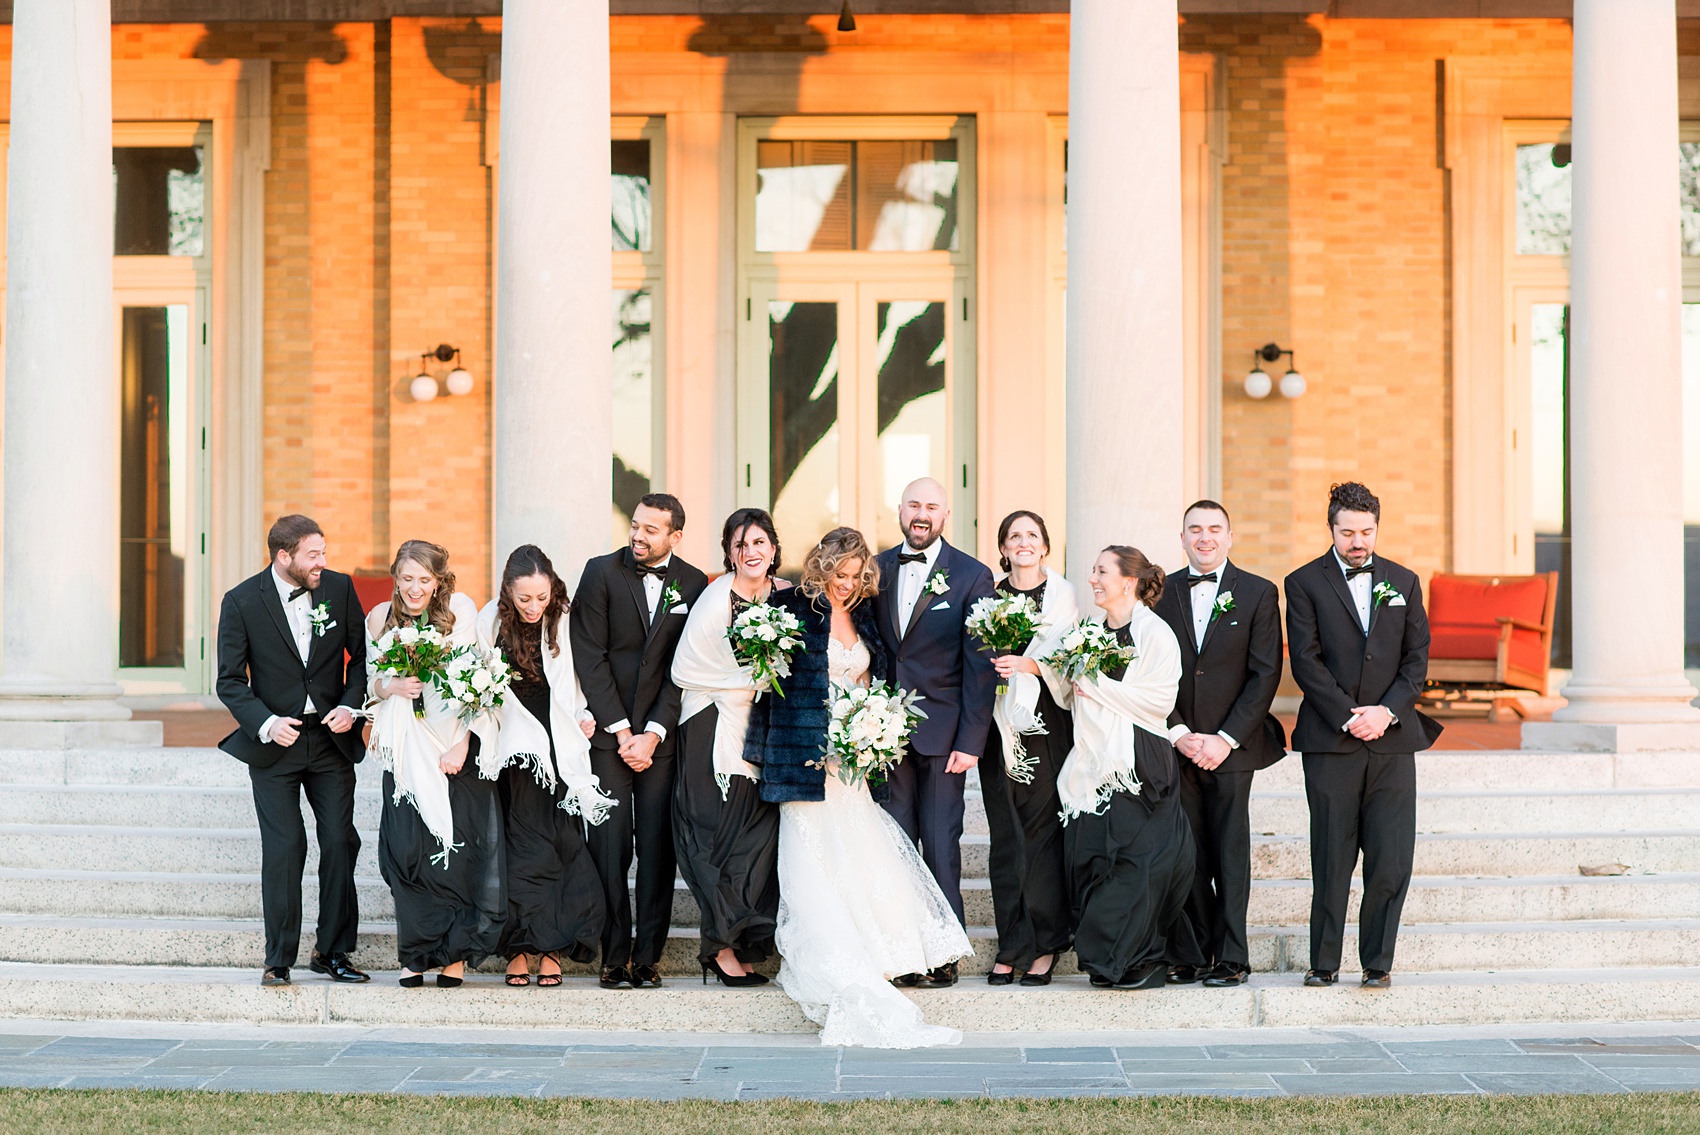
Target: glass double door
point(845, 397)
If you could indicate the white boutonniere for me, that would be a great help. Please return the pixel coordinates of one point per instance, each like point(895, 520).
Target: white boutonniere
point(1386, 593)
point(320, 617)
point(669, 596)
point(1224, 603)
point(939, 583)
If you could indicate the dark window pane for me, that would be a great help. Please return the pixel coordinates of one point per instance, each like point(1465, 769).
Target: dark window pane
point(803, 410)
point(159, 200)
point(906, 196)
point(634, 406)
point(871, 196)
point(631, 215)
point(152, 522)
point(803, 196)
point(912, 418)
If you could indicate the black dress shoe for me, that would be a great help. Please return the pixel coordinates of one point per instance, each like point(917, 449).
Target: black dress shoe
point(646, 977)
point(1183, 975)
point(1101, 982)
point(1033, 979)
point(996, 978)
point(1153, 976)
point(615, 977)
point(275, 975)
point(1226, 974)
point(1316, 978)
point(338, 967)
point(1377, 979)
point(943, 977)
point(906, 980)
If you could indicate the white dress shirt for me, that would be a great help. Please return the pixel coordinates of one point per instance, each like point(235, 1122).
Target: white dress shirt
point(295, 613)
point(912, 578)
point(652, 587)
point(1203, 602)
point(1360, 586)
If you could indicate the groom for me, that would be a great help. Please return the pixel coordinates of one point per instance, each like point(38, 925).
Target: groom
point(283, 637)
point(926, 590)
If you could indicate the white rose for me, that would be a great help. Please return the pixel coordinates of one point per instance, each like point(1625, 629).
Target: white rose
point(407, 636)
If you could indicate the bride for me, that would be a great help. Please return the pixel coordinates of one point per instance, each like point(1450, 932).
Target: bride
point(857, 905)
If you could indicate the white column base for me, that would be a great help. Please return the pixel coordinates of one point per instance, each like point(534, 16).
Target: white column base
point(81, 734)
point(1609, 737)
point(58, 715)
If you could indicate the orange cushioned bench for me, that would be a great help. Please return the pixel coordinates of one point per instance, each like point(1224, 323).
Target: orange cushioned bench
point(1492, 629)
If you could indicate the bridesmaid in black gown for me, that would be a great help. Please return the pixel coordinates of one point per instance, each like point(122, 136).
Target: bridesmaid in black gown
point(1030, 891)
point(1129, 844)
point(555, 902)
point(726, 836)
point(440, 845)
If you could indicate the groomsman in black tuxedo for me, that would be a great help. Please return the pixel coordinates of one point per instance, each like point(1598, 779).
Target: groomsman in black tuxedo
point(1358, 646)
point(926, 590)
point(292, 671)
point(1228, 622)
point(625, 624)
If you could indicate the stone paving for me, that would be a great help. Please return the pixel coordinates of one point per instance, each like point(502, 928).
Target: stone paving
point(1290, 1062)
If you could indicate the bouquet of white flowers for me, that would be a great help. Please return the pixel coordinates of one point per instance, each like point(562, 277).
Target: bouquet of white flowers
point(1004, 624)
point(764, 638)
point(412, 650)
point(868, 730)
point(475, 680)
point(1087, 650)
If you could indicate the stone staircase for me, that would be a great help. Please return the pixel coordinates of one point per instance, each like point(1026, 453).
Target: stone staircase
point(129, 887)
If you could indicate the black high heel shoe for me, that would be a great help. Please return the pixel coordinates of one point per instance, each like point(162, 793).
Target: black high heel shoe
point(411, 980)
point(444, 981)
point(996, 978)
point(1030, 978)
point(737, 981)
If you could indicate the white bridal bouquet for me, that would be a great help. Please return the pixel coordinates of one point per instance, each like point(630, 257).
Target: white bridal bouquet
point(1004, 624)
point(475, 680)
point(1088, 649)
point(413, 650)
point(764, 638)
point(868, 730)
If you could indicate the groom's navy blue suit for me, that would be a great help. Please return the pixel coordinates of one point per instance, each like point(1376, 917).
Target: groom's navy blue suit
point(937, 658)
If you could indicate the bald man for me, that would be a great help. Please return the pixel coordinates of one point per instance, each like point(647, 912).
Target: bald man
point(926, 590)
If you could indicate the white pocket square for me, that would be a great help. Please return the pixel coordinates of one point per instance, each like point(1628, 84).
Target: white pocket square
point(939, 607)
point(1396, 601)
point(681, 609)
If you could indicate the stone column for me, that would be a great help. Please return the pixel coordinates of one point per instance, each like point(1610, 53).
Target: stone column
point(60, 654)
point(1126, 444)
point(1627, 691)
point(553, 446)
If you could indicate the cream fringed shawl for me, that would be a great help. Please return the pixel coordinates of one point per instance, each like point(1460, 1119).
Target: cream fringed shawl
point(707, 673)
point(1016, 711)
point(1102, 760)
point(511, 735)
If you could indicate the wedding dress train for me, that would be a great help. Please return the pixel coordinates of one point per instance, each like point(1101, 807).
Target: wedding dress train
point(857, 908)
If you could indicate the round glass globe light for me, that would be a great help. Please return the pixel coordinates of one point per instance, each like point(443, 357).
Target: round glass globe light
point(459, 381)
point(1258, 384)
point(423, 388)
point(1292, 384)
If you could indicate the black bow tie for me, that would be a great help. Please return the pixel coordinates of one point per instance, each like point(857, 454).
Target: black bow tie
point(1195, 580)
point(659, 571)
point(911, 557)
point(1353, 571)
point(297, 593)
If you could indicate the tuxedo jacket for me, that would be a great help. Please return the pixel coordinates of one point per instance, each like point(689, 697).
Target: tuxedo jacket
point(936, 657)
point(1338, 666)
point(1229, 684)
point(260, 672)
point(624, 658)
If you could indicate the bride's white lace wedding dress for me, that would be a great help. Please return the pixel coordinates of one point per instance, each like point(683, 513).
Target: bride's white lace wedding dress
point(857, 908)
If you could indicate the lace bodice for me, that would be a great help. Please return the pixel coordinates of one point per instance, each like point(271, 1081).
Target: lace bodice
point(847, 665)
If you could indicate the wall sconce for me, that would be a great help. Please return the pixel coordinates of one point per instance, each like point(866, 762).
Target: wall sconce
point(458, 381)
point(1258, 384)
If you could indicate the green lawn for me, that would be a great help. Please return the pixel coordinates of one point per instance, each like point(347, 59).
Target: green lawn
point(55, 1112)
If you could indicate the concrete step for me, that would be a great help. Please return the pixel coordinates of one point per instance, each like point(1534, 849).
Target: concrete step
point(1507, 855)
point(1423, 947)
point(154, 806)
point(150, 993)
point(1459, 812)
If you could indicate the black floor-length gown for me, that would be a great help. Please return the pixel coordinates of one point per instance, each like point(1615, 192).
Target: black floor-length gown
point(454, 912)
point(728, 848)
point(1028, 871)
point(555, 902)
point(1131, 866)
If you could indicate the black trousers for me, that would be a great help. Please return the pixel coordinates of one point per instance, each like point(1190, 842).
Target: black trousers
point(926, 802)
point(316, 766)
point(1217, 806)
point(1359, 801)
point(643, 816)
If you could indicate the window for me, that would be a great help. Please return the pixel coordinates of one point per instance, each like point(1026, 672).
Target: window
point(631, 214)
point(1543, 198)
point(159, 200)
point(865, 196)
point(636, 156)
point(153, 503)
point(634, 405)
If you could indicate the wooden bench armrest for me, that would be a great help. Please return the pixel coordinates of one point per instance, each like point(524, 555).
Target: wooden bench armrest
point(1520, 624)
